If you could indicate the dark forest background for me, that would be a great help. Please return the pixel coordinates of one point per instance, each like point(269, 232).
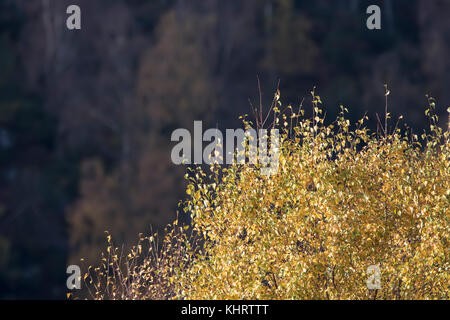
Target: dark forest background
point(86, 116)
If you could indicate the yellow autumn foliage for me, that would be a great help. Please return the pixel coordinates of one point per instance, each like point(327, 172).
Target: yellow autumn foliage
point(342, 201)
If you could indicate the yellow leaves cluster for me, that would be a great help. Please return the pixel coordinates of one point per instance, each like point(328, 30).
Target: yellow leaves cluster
point(342, 200)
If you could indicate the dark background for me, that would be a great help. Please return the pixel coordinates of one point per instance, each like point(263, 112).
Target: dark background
point(86, 116)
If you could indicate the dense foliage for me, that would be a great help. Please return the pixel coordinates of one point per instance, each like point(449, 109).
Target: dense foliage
point(343, 199)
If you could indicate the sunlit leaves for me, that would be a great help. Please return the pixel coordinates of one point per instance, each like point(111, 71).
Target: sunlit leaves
point(343, 199)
